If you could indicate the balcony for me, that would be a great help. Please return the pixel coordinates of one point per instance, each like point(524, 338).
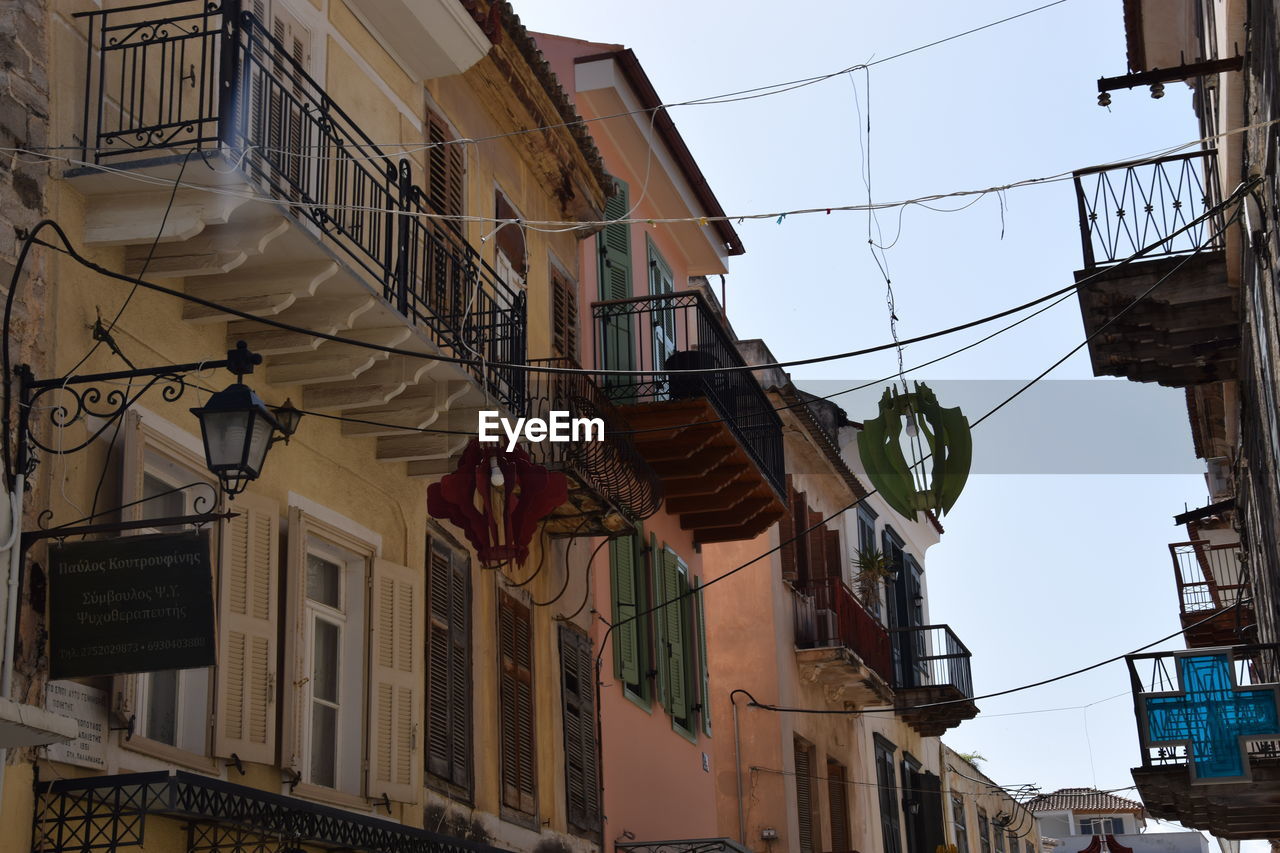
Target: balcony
point(1211, 587)
point(289, 210)
point(610, 485)
point(931, 667)
point(713, 438)
point(840, 645)
point(1186, 331)
point(1210, 740)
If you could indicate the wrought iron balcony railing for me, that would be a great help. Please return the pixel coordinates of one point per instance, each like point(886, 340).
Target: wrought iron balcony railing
point(931, 656)
point(208, 76)
point(828, 614)
point(1209, 576)
point(678, 331)
point(1195, 707)
point(612, 468)
point(1127, 207)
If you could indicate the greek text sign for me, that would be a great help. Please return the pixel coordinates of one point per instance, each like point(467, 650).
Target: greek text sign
point(88, 706)
point(136, 604)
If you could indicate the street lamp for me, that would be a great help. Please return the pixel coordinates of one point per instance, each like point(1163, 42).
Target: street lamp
point(238, 428)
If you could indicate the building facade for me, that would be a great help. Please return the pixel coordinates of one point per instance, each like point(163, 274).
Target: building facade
point(1088, 819)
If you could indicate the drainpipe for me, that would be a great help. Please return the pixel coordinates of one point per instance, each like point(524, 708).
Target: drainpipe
point(737, 768)
point(10, 602)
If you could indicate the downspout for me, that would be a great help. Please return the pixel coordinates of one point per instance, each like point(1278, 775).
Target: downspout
point(737, 768)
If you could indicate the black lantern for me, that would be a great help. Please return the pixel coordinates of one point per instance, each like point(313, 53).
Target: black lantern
point(237, 426)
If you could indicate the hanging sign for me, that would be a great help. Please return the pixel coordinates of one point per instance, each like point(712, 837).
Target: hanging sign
point(135, 604)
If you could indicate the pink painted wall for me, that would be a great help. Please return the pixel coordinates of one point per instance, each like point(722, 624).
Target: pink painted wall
point(655, 786)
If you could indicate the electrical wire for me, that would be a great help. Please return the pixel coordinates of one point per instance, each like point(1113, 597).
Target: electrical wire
point(69, 249)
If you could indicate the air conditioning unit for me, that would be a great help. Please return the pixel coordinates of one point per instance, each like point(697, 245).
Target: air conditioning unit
point(1219, 479)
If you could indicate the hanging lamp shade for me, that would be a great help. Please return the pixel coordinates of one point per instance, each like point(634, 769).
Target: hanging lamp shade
point(237, 428)
point(947, 451)
point(497, 498)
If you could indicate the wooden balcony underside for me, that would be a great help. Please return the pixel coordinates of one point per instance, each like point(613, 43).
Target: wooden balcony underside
point(262, 259)
point(710, 480)
point(1228, 628)
point(1232, 810)
point(934, 721)
point(1186, 332)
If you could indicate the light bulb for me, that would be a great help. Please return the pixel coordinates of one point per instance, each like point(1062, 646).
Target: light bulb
point(495, 473)
point(912, 429)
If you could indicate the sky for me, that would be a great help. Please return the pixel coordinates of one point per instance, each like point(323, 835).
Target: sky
point(1056, 555)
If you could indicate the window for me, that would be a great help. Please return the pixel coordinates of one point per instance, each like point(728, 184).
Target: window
point(448, 654)
point(631, 639)
point(170, 709)
point(959, 824)
point(1013, 842)
point(999, 841)
point(661, 282)
point(326, 664)
point(509, 239)
point(1101, 826)
point(614, 277)
point(515, 706)
point(805, 805)
point(838, 800)
point(887, 786)
point(564, 315)
point(984, 832)
point(581, 764)
point(869, 593)
point(1030, 848)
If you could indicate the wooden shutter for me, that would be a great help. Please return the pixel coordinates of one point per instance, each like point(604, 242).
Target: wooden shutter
point(445, 168)
point(294, 675)
point(615, 281)
point(786, 532)
point(833, 556)
point(838, 799)
point(245, 694)
point(582, 766)
point(626, 604)
point(804, 796)
point(704, 664)
point(816, 565)
point(674, 636)
point(564, 316)
point(515, 700)
point(448, 716)
point(395, 683)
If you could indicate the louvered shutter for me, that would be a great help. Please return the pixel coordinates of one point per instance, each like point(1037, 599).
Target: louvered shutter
point(787, 532)
point(796, 520)
point(833, 557)
point(294, 674)
point(838, 799)
point(448, 716)
point(704, 665)
point(816, 564)
point(674, 637)
point(124, 688)
point(519, 776)
point(445, 168)
point(804, 796)
point(622, 553)
point(247, 632)
point(615, 280)
point(395, 679)
point(564, 319)
point(582, 769)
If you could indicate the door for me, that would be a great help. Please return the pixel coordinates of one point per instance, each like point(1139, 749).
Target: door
point(662, 318)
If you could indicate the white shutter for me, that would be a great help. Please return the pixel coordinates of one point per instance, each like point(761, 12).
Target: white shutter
point(294, 675)
point(396, 676)
point(124, 688)
point(247, 631)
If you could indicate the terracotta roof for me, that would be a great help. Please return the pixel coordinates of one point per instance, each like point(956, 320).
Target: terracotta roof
point(1082, 799)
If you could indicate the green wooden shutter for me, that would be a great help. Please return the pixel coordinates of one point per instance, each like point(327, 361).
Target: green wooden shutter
point(626, 604)
point(704, 665)
point(615, 280)
point(674, 636)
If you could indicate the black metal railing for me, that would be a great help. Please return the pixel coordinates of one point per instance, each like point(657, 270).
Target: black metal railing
point(612, 466)
point(930, 656)
point(684, 845)
point(1188, 679)
point(183, 75)
point(1209, 577)
point(679, 331)
point(1128, 207)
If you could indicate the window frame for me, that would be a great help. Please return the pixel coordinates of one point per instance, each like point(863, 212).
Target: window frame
point(984, 831)
point(149, 449)
point(338, 616)
point(959, 823)
point(888, 794)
